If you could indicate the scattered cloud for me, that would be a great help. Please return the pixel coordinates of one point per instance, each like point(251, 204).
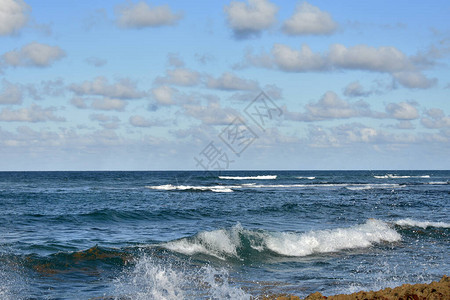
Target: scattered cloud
point(181, 76)
point(33, 114)
point(362, 57)
point(330, 106)
point(388, 60)
point(33, 55)
point(164, 95)
point(288, 59)
point(352, 134)
point(355, 89)
point(212, 114)
point(11, 93)
point(109, 104)
point(13, 16)
point(141, 15)
point(249, 19)
point(435, 119)
point(402, 111)
point(309, 19)
point(174, 60)
point(79, 102)
point(414, 80)
point(405, 124)
point(140, 121)
point(103, 103)
point(99, 86)
point(107, 122)
point(230, 82)
point(204, 58)
point(95, 61)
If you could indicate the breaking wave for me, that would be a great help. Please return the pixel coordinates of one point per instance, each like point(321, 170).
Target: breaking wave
point(152, 278)
point(231, 188)
point(392, 176)
point(260, 177)
point(238, 242)
point(423, 224)
point(213, 188)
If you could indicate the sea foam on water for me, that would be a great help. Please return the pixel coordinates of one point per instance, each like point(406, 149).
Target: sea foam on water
point(158, 279)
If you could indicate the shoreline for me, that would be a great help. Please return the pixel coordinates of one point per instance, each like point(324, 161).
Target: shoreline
point(436, 290)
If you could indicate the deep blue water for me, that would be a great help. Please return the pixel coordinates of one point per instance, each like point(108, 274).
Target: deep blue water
point(230, 235)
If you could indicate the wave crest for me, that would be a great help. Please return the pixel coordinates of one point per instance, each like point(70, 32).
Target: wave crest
point(237, 242)
point(423, 224)
point(259, 177)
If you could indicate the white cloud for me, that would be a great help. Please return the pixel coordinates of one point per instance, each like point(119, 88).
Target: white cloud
point(350, 135)
point(402, 111)
point(140, 121)
point(414, 80)
point(79, 102)
point(13, 16)
point(291, 60)
point(435, 119)
point(33, 55)
point(212, 114)
point(404, 124)
point(104, 103)
point(99, 86)
point(107, 122)
point(363, 57)
point(309, 19)
point(388, 60)
point(230, 82)
point(141, 15)
point(330, 106)
point(34, 113)
point(11, 93)
point(181, 76)
point(109, 104)
point(250, 19)
point(164, 95)
point(355, 89)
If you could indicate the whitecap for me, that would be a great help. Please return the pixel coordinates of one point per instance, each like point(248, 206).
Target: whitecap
point(423, 224)
point(259, 177)
point(225, 243)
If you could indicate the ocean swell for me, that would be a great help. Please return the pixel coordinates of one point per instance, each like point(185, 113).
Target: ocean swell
point(237, 242)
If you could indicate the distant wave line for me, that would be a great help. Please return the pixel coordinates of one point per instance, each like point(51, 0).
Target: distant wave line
point(259, 177)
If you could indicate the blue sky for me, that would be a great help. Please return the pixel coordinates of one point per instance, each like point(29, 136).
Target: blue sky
point(156, 85)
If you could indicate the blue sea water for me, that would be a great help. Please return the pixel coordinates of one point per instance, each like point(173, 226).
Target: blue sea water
point(229, 235)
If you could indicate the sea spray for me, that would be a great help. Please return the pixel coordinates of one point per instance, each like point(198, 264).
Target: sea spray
point(158, 278)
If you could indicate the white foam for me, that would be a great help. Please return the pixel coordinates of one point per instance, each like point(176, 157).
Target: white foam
point(360, 187)
point(224, 243)
point(231, 188)
point(219, 243)
point(260, 177)
point(306, 177)
point(438, 182)
point(213, 188)
point(392, 176)
point(424, 224)
point(323, 241)
point(157, 279)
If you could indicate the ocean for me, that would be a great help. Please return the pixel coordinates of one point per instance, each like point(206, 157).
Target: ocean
point(219, 235)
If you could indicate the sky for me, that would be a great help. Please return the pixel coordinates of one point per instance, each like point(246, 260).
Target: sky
point(224, 85)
